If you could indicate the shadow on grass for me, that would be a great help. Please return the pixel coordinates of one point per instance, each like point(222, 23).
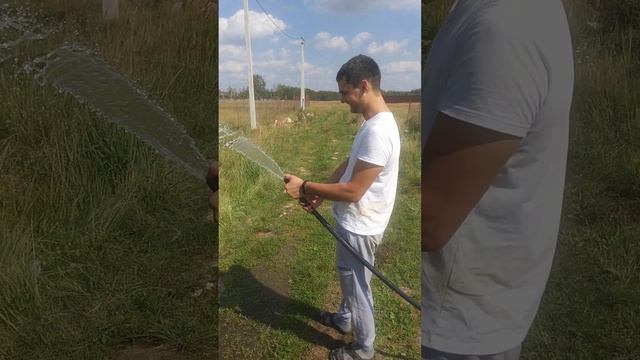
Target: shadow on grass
point(388, 355)
point(249, 297)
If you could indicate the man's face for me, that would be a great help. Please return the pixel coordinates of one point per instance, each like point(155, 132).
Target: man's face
point(350, 95)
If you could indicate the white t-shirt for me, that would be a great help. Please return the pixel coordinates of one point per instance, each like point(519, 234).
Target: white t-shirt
point(378, 143)
point(505, 65)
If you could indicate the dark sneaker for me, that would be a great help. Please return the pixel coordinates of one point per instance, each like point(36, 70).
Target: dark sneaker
point(329, 319)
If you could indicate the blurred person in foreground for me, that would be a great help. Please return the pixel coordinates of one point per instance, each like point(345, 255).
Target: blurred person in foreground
point(497, 91)
point(363, 189)
point(212, 182)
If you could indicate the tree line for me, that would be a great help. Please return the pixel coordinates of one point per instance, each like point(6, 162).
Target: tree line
point(286, 92)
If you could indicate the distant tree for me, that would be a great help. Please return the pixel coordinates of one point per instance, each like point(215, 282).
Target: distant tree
point(230, 92)
point(260, 86)
point(285, 92)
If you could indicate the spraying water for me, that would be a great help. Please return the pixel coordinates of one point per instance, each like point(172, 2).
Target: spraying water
point(250, 151)
point(74, 70)
point(17, 26)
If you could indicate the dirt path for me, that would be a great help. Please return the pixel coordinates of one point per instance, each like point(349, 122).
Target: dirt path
point(331, 302)
point(270, 282)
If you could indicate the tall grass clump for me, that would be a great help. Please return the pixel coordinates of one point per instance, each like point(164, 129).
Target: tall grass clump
point(105, 247)
point(598, 251)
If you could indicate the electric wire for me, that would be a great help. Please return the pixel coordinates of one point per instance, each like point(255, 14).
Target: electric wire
point(270, 17)
point(276, 25)
point(324, 58)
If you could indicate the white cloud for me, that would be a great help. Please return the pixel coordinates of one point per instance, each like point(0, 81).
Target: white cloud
point(272, 61)
point(231, 51)
point(324, 40)
point(387, 46)
point(359, 5)
point(402, 4)
point(232, 66)
point(319, 71)
point(411, 54)
point(402, 67)
point(232, 28)
point(272, 64)
point(402, 82)
point(360, 38)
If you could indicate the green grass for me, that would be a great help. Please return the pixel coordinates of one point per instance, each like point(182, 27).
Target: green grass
point(277, 262)
point(103, 244)
point(590, 307)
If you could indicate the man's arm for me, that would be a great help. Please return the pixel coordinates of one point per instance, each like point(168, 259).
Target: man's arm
point(364, 174)
point(338, 172)
point(459, 163)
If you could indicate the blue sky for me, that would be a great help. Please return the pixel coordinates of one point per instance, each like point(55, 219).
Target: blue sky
point(334, 31)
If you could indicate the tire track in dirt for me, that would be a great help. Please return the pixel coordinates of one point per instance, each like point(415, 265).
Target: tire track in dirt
point(268, 306)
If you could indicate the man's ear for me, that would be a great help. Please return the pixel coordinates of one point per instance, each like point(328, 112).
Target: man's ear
point(366, 85)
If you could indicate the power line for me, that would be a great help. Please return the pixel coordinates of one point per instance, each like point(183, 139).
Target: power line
point(276, 25)
point(320, 54)
point(271, 19)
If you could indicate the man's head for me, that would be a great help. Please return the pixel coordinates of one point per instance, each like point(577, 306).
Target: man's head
point(357, 78)
point(358, 68)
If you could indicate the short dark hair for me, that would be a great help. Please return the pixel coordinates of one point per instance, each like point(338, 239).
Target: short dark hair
point(358, 68)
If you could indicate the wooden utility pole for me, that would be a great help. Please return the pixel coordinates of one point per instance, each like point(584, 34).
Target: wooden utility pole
point(247, 39)
point(110, 9)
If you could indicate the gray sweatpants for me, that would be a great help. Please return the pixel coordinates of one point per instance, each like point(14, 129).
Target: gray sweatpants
point(432, 354)
point(356, 308)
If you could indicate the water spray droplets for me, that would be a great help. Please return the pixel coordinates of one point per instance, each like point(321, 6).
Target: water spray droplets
point(246, 148)
point(78, 72)
point(17, 26)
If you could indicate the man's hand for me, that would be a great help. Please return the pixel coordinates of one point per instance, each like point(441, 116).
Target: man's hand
point(212, 182)
point(310, 202)
point(213, 204)
point(292, 185)
point(212, 176)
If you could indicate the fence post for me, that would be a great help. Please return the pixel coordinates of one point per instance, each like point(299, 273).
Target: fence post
point(110, 9)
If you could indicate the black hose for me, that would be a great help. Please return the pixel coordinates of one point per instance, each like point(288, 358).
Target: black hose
point(364, 262)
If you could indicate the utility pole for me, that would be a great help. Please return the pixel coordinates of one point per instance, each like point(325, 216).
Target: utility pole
point(110, 9)
point(302, 73)
point(247, 39)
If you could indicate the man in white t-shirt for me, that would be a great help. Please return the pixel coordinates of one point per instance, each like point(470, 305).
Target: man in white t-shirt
point(497, 93)
point(363, 189)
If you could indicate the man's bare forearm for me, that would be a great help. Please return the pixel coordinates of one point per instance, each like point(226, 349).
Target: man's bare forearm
point(458, 165)
point(350, 191)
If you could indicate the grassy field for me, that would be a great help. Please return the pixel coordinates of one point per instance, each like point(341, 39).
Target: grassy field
point(591, 308)
point(277, 263)
point(107, 251)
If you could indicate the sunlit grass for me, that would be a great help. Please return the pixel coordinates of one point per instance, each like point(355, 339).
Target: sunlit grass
point(262, 231)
